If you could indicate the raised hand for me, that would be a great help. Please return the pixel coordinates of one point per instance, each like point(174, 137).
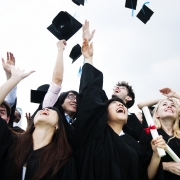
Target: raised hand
point(18, 73)
point(87, 50)
point(61, 44)
point(28, 118)
point(158, 142)
point(168, 92)
point(86, 32)
point(10, 61)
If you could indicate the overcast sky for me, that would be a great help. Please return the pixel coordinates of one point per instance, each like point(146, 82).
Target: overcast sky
point(145, 55)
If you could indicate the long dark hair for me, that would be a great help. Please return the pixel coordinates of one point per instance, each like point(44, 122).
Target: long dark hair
point(56, 153)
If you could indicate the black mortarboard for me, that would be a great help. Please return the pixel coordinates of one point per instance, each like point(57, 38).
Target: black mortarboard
point(75, 53)
point(144, 14)
point(64, 26)
point(131, 4)
point(37, 96)
point(78, 2)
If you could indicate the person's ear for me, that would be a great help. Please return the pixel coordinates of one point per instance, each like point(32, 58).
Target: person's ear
point(157, 116)
point(128, 98)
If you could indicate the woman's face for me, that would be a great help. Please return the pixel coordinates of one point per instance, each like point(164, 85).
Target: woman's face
point(117, 112)
point(166, 109)
point(46, 116)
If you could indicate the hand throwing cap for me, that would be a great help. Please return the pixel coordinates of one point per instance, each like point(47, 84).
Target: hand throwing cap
point(131, 4)
point(78, 2)
point(64, 26)
point(75, 53)
point(145, 14)
point(37, 96)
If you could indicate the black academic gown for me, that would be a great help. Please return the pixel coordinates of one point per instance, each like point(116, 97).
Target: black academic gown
point(101, 154)
point(174, 144)
point(67, 172)
point(133, 127)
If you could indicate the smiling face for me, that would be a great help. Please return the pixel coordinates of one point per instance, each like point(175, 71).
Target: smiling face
point(117, 112)
point(69, 105)
point(166, 109)
point(47, 117)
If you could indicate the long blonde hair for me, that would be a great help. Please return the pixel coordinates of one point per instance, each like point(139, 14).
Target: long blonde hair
point(176, 130)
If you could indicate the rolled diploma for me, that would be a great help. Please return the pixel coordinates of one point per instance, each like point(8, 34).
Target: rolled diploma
point(154, 132)
point(172, 154)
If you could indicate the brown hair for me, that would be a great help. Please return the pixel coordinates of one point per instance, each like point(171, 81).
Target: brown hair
point(4, 104)
point(56, 153)
point(130, 92)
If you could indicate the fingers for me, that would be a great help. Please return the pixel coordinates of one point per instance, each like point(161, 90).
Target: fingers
point(159, 142)
point(91, 45)
point(64, 42)
point(165, 90)
point(92, 34)
point(30, 72)
point(2, 61)
point(85, 45)
point(7, 56)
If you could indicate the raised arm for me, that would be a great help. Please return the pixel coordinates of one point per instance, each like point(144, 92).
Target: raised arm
point(90, 101)
point(57, 78)
point(10, 61)
point(58, 71)
point(170, 93)
point(148, 103)
point(11, 97)
point(87, 50)
point(16, 76)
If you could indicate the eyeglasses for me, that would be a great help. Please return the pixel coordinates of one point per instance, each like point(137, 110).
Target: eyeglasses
point(120, 87)
point(71, 97)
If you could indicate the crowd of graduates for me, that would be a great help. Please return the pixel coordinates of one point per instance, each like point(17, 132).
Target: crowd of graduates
point(84, 135)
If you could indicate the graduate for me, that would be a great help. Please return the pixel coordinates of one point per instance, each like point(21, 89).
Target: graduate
point(42, 152)
point(66, 102)
point(166, 119)
point(103, 150)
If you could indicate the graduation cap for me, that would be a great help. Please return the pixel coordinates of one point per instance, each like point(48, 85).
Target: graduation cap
point(37, 96)
point(78, 2)
point(75, 53)
point(64, 26)
point(131, 4)
point(144, 14)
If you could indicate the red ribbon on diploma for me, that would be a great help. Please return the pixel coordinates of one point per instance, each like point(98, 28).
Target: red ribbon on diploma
point(147, 130)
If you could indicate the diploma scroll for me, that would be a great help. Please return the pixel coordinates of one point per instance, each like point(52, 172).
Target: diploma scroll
point(154, 132)
point(172, 154)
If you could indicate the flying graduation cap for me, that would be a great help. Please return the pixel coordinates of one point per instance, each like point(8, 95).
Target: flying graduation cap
point(64, 26)
point(145, 14)
point(78, 2)
point(37, 96)
point(131, 4)
point(75, 53)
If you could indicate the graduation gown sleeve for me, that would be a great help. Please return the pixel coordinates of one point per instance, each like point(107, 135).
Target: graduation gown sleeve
point(5, 137)
point(90, 103)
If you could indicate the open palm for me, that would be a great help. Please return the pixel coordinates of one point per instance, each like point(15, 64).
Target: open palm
point(87, 50)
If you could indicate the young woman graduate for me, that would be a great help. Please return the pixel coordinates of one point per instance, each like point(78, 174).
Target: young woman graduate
point(103, 151)
point(42, 151)
point(166, 119)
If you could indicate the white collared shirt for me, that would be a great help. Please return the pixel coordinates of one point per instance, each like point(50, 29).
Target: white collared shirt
point(122, 133)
